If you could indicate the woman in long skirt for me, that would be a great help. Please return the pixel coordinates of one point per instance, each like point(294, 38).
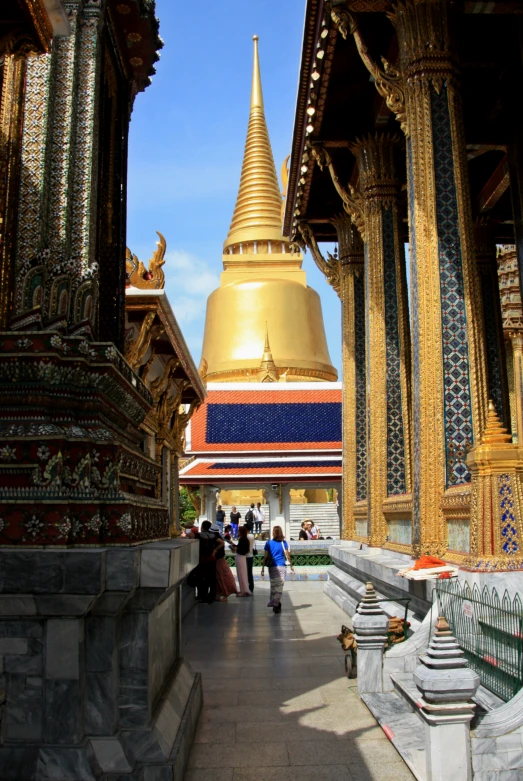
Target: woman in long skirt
point(275, 555)
point(225, 583)
point(242, 549)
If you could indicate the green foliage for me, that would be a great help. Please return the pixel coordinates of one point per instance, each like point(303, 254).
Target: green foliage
point(187, 511)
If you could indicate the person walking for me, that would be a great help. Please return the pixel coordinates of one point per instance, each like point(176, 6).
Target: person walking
point(206, 580)
point(249, 518)
point(250, 560)
point(259, 518)
point(220, 518)
point(275, 556)
point(242, 549)
point(235, 521)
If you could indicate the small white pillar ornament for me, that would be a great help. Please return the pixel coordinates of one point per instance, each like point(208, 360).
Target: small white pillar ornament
point(370, 626)
point(447, 685)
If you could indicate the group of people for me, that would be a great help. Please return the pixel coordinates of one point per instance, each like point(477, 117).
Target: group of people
point(309, 530)
point(213, 577)
point(254, 519)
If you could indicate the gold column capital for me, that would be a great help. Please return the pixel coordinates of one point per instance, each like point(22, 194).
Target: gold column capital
point(350, 244)
point(425, 40)
point(377, 170)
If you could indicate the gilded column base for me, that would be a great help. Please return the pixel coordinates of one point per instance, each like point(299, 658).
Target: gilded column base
point(496, 465)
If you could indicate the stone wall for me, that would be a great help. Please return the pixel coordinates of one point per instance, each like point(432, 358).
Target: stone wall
point(90, 660)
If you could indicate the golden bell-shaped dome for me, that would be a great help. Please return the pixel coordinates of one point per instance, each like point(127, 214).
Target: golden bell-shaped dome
point(262, 288)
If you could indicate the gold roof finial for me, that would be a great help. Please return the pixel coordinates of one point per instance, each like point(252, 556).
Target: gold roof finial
point(257, 214)
point(267, 371)
point(494, 432)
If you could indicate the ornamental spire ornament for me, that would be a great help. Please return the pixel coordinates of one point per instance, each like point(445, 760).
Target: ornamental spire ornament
point(257, 214)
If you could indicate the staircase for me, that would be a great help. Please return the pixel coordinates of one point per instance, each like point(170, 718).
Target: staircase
point(242, 508)
point(323, 515)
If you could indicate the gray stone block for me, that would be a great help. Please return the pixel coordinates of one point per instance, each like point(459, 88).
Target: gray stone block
point(18, 764)
point(30, 572)
point(17, 606)
point(133, 641)
point(23, 711)
point(63, 712)
point(154, 568)
point(27, 664)
point(63, 765)
point(84, 571)
point(101, 703)
point(100, 644)
point(110, 603)
point(11, 628)
point(158, 773)
point(133, 707)
point(110, 756)
point(13, 645)
point(122, 569)
point(63, 648)
point(64, 605)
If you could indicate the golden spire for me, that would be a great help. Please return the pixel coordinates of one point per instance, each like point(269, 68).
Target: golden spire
point(267, 371)
point(257, 214)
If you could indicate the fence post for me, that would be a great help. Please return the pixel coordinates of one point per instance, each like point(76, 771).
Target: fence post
point(370, 626)
point(447, 686)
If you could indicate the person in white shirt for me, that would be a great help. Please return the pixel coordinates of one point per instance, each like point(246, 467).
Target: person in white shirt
point(259, 518)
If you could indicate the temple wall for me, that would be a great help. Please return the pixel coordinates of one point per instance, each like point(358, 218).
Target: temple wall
point(90, 649)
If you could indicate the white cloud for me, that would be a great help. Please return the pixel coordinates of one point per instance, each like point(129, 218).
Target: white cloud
point(188, 282)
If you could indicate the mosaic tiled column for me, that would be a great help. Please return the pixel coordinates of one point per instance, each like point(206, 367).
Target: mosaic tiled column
point(84, 164)
point(386, 331)
point(30, 254)
point(450, 388)
point(494, 339)
point(354, 406)
point(512, 319)
point(346, 274)
point(11, 115)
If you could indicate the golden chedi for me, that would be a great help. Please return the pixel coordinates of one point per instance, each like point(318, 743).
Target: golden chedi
point(263, 323)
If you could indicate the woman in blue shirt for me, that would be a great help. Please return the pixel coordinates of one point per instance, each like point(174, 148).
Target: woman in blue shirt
point(276, 555)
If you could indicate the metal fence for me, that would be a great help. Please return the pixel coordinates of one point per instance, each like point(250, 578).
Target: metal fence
point(490, 632)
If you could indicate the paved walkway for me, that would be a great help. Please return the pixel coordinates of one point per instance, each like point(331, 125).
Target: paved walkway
point(277, 706)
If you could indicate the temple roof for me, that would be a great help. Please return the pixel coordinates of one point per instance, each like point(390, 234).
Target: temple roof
point(337, 102)
point(236, 470)
point(263, 418)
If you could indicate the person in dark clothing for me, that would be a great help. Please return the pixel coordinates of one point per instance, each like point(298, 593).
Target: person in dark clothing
point(220, 518)
point(235, 520)
point(249, 518)
point(206, 581)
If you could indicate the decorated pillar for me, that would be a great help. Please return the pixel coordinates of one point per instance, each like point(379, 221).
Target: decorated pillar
point(450, 387)
point(512, 320)
point(494, 340)
point(346, 275)
point(386, 330)
point(449, 366)
point(70, 436)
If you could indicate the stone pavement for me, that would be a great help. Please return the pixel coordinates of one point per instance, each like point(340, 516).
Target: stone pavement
point(277, 705)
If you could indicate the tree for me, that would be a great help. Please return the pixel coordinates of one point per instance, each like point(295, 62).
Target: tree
point(187, 511)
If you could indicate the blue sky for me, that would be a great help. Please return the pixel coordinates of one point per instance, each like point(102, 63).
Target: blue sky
point(187, 137)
